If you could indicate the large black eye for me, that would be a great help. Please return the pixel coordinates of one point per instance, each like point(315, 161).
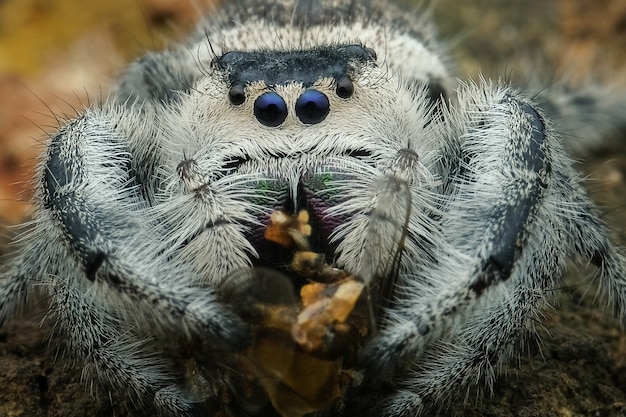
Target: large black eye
point(270, 109)
point(345, 88)
point(312, 107)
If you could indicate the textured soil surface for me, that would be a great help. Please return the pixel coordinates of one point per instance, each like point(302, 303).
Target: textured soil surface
point(54, 56)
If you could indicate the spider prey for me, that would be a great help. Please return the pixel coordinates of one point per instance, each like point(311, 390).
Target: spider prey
point(446, 213)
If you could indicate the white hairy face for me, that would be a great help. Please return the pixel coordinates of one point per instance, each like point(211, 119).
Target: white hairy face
point(336, 167)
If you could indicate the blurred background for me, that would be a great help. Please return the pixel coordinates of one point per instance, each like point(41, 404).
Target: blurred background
point(58, 55)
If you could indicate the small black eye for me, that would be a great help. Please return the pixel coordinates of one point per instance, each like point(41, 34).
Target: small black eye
point(312, 107)
point(345, 88)
point(270, 109)
point(236, 95)
point(372, 53)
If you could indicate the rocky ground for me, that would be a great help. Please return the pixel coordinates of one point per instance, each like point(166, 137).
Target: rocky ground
point(53, 56)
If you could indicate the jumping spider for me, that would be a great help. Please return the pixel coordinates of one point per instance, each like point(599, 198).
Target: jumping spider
point(421, 228)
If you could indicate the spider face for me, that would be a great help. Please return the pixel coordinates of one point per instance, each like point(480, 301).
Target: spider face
point(314, 128)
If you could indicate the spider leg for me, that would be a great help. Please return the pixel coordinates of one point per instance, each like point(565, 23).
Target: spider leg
point(108, 350)
point(103, 274)
point(590, 241)
point(472, 355)
point(564, 224)
point(586, 117)
point(16, 282)
point(94, 336)
point(93, 199)
point(92, 333)
point(496, 196)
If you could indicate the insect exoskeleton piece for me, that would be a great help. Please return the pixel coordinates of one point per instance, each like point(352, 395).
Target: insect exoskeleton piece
point(308, 322)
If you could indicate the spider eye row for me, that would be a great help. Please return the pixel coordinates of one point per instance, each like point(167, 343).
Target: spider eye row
point(312, 106)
